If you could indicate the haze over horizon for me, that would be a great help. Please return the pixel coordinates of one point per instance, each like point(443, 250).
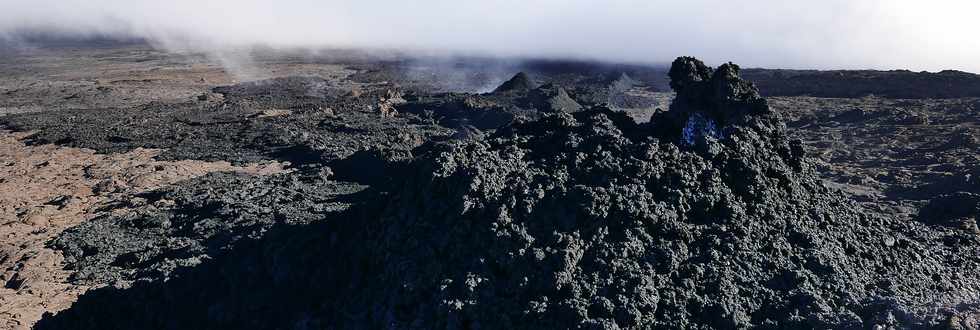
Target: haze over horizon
point(835, 34)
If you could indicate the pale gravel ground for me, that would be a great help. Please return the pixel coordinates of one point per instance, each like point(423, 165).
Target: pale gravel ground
point(47, 189)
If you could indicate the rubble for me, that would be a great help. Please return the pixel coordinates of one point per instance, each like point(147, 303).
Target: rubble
point(589, 220)
point(534, 214)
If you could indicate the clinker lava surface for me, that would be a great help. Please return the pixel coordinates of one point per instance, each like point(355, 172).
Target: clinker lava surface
point(589, 220)
point(709, 216)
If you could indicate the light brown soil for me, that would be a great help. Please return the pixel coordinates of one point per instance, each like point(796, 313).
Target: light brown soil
point(47, 189)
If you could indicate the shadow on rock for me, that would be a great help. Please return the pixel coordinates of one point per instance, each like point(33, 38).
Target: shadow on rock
point(289, 279)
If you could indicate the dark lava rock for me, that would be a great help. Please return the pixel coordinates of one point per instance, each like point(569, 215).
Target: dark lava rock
point(551, 98)
point(493, 110)
point(284, 88)
point(520, 82)
point(623, 83)
point(622, 94)
point(588, 220)
point(720, 95)
point(951, 209)
point(903, 151)
point(707, 217)
point(468, 133)
point(182, 225)
point(856, 83)
point(236, 130)
point(60, 201)
point(459, 109)
point(375, 167)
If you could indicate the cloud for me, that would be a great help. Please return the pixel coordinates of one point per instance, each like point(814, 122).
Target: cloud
point(882, 34)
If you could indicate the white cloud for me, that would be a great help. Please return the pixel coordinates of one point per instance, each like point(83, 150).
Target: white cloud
point(882, 34)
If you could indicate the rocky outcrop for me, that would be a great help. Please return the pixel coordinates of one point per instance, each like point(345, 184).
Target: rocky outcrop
point(550, 98)
point(520, 82)
point(590, 220)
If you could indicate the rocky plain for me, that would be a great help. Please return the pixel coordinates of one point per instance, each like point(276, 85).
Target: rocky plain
point(145, 189)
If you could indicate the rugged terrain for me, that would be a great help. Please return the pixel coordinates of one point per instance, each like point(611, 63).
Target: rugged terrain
point(360, 192)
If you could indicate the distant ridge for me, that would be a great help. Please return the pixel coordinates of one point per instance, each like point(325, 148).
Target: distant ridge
point(899, 84)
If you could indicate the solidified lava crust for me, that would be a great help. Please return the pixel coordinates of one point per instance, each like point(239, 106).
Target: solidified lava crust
point(589, 220)
point(580, 219)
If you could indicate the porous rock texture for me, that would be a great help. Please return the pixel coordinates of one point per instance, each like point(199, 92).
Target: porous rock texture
point(588, 220)
point(192, 221)
point(584, 220)
point(515, 99)
point(957, 209)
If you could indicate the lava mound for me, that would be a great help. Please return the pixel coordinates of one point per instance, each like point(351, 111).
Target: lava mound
point(707, 217)
point(521, 82)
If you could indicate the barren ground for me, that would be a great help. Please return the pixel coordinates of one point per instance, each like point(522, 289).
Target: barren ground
point(109, 156)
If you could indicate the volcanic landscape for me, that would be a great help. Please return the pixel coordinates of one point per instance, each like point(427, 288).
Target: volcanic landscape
point(148, 189)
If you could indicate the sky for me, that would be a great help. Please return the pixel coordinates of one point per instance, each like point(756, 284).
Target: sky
point(826, 34)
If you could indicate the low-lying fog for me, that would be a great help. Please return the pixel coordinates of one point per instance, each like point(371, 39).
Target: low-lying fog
point(880, 34)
